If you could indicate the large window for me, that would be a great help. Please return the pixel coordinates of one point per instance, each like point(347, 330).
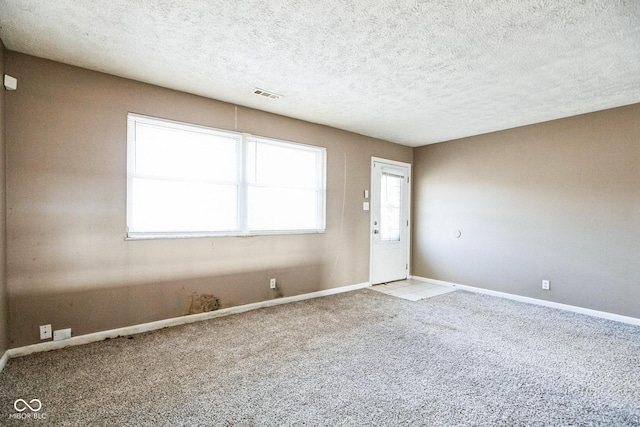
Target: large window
point(186, 180)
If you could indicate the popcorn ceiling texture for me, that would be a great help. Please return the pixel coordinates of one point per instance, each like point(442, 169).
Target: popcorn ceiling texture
point(409, 71)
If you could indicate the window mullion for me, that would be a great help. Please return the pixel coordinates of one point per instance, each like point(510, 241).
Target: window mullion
point(242, 186)
point(321, 162)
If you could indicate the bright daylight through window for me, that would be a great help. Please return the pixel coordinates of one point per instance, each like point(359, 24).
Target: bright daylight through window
point(391, 207)
point(187, 180)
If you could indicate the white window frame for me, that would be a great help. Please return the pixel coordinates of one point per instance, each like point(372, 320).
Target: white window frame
point(241, 159)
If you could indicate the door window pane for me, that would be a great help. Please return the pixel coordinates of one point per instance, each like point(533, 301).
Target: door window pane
point(390, 207)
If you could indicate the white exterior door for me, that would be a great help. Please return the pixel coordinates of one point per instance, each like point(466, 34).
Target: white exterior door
point(390, 204)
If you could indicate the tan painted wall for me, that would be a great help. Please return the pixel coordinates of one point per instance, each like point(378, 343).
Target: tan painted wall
point(558, 200)
point(3, 274)
point(68, 261)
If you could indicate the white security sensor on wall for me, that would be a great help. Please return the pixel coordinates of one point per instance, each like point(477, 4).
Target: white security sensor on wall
point(10, 83)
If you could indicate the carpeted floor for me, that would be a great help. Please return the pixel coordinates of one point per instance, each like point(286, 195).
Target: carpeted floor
point(356, 359)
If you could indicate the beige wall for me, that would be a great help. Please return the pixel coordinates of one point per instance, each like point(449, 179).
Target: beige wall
point(68, 262)
point(3, 275)
point(558, 200)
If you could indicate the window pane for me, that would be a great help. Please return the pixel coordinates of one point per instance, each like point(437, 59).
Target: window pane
point(177, 153)
point(184, 179)
point(282, 209)
point(175, 206)
point(281, 166)
point(390, 207)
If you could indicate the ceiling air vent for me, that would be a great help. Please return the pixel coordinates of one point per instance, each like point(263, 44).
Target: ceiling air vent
point(266, 93)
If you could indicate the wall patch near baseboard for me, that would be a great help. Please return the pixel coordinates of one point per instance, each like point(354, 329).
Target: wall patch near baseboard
point(203, 303)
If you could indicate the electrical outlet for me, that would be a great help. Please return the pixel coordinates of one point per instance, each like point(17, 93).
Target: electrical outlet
point(545, 285)
point(272, 283)
point(61, 334)
point(45, 332)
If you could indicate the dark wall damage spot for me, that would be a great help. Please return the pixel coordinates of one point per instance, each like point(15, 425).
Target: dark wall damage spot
point(203, 303)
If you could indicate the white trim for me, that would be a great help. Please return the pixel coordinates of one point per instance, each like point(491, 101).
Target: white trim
point(529, 300)
point(390, 162)
point(4, 359)
point(152, 326)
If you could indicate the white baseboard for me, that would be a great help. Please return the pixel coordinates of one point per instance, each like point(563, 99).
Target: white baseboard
point(566, 307)
point(175, 321)
point(4, 359)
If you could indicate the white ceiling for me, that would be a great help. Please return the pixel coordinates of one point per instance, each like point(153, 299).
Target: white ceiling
point(410, 71)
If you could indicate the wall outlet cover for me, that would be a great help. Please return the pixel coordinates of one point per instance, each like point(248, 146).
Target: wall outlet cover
point(545, 285)
point(62, 334)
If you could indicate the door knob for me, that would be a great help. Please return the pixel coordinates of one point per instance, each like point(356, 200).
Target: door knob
point(375, 231)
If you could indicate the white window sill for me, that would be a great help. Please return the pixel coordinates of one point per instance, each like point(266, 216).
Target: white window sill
point(161, 236)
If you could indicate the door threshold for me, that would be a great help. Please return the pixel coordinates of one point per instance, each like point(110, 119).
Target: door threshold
point(412, 290)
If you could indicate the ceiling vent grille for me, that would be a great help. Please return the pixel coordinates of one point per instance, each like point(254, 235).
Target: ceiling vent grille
point(266, 93)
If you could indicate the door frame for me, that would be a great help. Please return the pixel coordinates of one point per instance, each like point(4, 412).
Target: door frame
point(399, 164)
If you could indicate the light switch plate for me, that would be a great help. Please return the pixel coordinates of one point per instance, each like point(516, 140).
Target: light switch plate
point(365, 206)
point(45, 332)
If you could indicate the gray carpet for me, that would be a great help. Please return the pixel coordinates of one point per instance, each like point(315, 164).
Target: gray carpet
point(356, 359)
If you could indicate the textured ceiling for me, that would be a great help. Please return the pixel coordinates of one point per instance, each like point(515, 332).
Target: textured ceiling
point(409, 71)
